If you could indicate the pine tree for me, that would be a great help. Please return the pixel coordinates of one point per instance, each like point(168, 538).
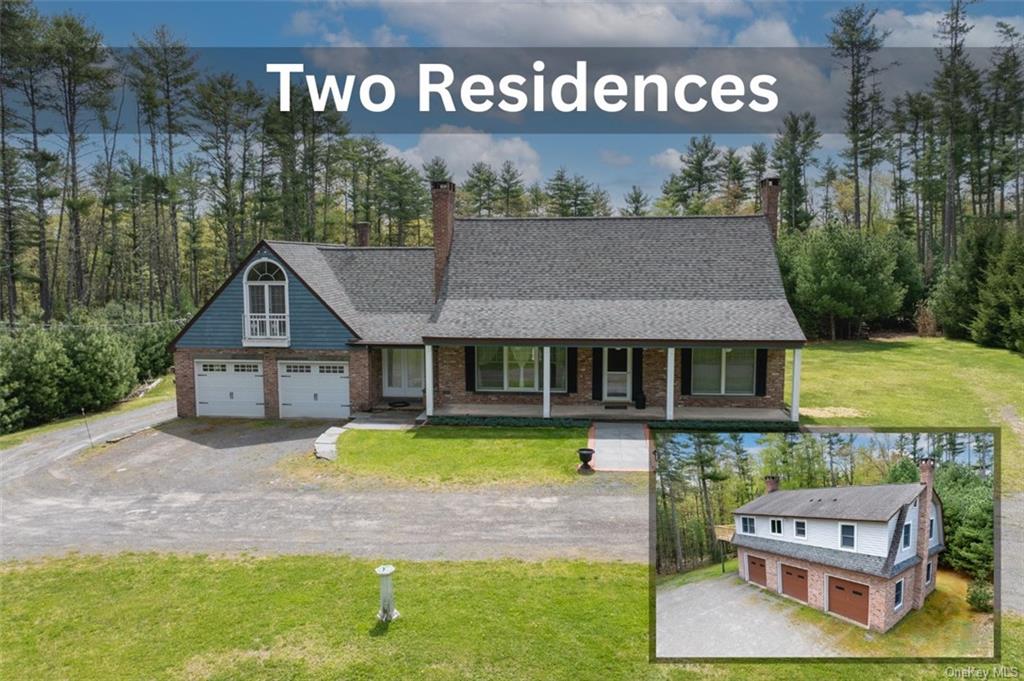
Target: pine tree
point(560, 194)
point(733, 181)
point(436, 170)
point(757, 166)
point(510, 189)
point(636, 201)
point(792, 153)
point(855, 39)
point(481, 189)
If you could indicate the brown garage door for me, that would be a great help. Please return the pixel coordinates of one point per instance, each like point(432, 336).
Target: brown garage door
point(848, 599)
point(756, 570)
point(794, 582)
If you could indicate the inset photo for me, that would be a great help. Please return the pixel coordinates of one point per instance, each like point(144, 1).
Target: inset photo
point(825, 545)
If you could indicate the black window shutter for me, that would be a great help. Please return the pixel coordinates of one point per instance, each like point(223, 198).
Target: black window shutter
point(570, 369)
point(597, 391)
point(638, 372)
point(470, 368)
point(686, 357)
point(761, 372)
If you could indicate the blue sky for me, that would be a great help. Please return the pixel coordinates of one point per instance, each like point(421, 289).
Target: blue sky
point(614, 161)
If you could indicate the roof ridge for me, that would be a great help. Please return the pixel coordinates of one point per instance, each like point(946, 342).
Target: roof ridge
point(321, 245)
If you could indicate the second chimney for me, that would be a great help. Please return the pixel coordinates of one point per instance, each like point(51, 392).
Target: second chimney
point(443, 196)
point(771, 484)
point(362, 234)
point(926, 466)
point(770, 203)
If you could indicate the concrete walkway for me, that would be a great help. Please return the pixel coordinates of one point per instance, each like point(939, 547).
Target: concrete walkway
point(620, 446)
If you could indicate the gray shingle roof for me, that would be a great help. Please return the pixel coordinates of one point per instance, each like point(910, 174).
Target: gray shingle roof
point(691, 279)
point(867, 502)
point(848, 560)
point(384, 294)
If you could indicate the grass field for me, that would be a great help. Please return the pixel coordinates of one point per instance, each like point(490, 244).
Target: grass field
point(697, 575)
point(164, 390)
point(312, 617)
point(450, 456)
point(918, 382)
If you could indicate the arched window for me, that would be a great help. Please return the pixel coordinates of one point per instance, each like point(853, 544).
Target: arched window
point(266, 301)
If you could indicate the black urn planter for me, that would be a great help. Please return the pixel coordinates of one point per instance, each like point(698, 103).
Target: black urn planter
point(586, 455)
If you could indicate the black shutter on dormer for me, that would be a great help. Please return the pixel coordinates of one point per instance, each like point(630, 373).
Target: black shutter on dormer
point(761, 373)
point(597, 373)
point(570, 369)
point(470, 368)
point(686, 358)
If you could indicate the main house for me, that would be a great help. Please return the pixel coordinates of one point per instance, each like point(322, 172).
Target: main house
point(622, 317)
point(866, 554)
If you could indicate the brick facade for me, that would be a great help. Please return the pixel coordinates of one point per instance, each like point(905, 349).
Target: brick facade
point(450, 372)
point(881, 614)
point(184, 371)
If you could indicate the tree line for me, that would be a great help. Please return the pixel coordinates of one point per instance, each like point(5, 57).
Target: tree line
point(917, 221)
point(701, 478)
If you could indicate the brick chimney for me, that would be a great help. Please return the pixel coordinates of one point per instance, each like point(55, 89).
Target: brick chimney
point(771, 484)
point(924, 509)
point(443, 196)
point(362, 234)
point(770, 203)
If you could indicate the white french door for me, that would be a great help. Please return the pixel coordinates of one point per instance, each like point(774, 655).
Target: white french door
point(403, 372)
point(618, 374)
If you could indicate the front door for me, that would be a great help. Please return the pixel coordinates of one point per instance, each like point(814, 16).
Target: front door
point(403, 372)
point(618, 374)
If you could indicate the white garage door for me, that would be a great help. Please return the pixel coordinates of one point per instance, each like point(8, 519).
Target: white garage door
point(313, 389)
point(229, 388)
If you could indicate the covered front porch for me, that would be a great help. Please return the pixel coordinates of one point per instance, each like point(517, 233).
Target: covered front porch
point(598, 412)
point(741, 381)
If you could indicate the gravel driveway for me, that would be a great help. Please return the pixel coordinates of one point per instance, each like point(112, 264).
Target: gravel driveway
point(212, 486)
point(725, 617)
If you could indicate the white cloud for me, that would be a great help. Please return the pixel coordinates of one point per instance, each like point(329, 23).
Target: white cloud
point(670, 159)
point(383, 36)
point(918, 30)
point(462, 147)
point(766, 33)
point(615, 158)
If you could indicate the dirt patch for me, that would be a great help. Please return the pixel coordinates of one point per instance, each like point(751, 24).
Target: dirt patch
point(832, 412)
point(1013, 419)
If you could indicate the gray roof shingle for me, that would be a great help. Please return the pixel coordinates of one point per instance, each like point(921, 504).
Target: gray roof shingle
point(384, 294)
point(848, 560)
point(667, 278)
point(864, 502)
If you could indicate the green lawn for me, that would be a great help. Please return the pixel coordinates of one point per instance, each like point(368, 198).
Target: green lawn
point(450, 456)
point(312, 617)
point(697, 575)
point(918, 382)
point(164, 390)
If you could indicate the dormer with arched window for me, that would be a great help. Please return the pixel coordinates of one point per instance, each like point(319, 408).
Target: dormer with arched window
point(266, 305)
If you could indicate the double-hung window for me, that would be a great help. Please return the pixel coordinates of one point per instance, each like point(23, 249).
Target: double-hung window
point(800, 529)
point(776, 526)
point(519, 368)
point(723, 371)
point(906, 535)
point(931, 527)
point(898, 600)
point(747, 525)
point(847, 536)
point(928, 573)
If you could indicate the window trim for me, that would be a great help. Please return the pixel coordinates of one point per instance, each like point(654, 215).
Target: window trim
point(753, 524)
point(840, 528)
point(928, 572)
point(906, 533)
point(539, 378)
point(931, 528)
point(801, 537)
point(771, 527)
point(722, 353)
point(901, 591)
point(261, 341)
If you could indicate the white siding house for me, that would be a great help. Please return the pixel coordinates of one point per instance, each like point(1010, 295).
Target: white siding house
point(870, 538)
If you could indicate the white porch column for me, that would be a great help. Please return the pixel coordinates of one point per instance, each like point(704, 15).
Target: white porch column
point(794, 402)
point(547, 382)
point(428, 376)
point(670, 384)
